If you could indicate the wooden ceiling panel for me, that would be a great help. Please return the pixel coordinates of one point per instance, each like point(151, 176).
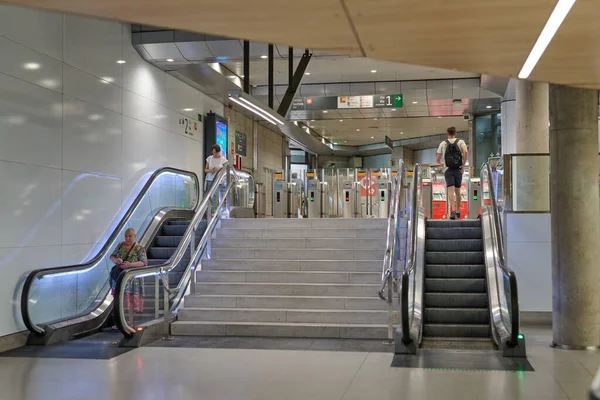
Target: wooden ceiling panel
point(319, 24)
point(492, 36)
point(574, 53)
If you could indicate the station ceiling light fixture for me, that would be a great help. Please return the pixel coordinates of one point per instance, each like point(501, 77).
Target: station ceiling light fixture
point(372, 137)
point(488, 107)
point(264, 57)
point(373, 71)
point(170, 60)
point(415, 102)
point(246, 102)
point(357, 130)
point(341, 120)
point(32, 66)
point(188, 109)
point(307, 73)
point(556, 19)
point(325, 111)
point(120, 61)
point(393, 109)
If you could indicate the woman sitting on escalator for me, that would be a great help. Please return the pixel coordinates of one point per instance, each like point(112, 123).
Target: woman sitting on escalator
point(129, 254)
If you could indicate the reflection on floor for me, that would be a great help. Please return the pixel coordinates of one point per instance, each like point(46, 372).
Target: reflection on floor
point(153, 373)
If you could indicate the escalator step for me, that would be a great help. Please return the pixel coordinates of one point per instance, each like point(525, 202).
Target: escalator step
point(455, 285)
point(456, 330)
point(470, 316)
point(454, 245)
point(458, 300)
point(446, 257)
point(173, 230)
point(186, 223)
point(454, 233)
point(167, 241)
point(454, 271)
point(446, 223)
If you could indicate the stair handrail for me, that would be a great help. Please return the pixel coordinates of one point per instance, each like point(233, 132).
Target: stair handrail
point(411, 257)
point(39, 273)
point(393, 228)
point(226, 175)
point(499, 258)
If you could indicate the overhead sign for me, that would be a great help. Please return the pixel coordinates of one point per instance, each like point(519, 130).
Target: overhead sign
point(389, 142)
point(348, 102)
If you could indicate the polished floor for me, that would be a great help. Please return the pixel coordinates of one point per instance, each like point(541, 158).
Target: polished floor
point(220, 373)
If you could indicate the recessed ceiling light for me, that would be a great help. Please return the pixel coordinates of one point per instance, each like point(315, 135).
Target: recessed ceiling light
point(345, 141)
point(335, 143)
point(307, 73)
point(31, 66)
point(375, 119)
point(439, 117)
point(357, 130)
point(325, 112)
point(373, 71)
point(488, 107)
point(415, 102)
point(312, 120)
point(120, 61)
point(556, 18)
point(264, 56)
point(372, 137)
point(170, 60)
point(188, 109)
point(402, 133)
point(107, 79)
point(341, 120)
point(393, 109)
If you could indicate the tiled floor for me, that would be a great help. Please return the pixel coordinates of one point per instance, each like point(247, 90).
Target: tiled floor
point(217, 374)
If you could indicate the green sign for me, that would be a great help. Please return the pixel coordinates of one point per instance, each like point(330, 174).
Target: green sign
point(348, 102)
point(240, 143)
point(389, 142)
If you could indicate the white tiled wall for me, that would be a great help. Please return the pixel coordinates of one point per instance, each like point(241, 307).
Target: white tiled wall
point(78, 132)
point(529, 255)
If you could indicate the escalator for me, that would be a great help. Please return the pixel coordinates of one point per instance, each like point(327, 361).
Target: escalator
point(65, 303)
point(454, 290)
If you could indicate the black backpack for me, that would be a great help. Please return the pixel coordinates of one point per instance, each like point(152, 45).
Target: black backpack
point(453, 156)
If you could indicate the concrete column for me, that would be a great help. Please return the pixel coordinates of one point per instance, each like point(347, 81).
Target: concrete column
point(525, 117)
point(575, 220)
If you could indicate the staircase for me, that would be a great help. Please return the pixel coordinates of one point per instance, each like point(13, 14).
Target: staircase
point(290, 278)
point(456, 298)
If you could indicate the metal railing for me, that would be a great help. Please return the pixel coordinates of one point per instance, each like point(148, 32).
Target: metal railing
point(502, 282)
point(389, 272)
point(99, 299)
point(412, 289)
point(222, 184)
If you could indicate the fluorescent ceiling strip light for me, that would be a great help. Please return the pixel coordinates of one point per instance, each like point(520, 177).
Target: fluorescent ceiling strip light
point(255, 111)
point(260, 110)
point(556, 19)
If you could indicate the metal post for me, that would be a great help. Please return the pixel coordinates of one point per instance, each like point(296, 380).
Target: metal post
point(390, 301)
point(156, 297)
point(192, 251)
point(247, 67)
point(271, 87)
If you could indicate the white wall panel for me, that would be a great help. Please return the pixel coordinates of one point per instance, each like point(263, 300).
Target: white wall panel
point(89, 206)
point(14, 264)
point(94, 46)
point(29, 65)
point(30, 211)
point(77, 253)
point(91, 139)
point(30, 123)
point(91, 89)
point(43, 31)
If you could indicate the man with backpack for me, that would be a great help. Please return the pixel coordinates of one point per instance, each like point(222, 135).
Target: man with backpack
point(455, 154)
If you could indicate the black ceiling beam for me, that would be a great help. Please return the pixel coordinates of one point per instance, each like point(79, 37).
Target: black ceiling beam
point(246, 66)
point(271, 86)
point(295, 82)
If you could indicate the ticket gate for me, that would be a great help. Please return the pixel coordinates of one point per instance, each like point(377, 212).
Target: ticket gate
point(474, 198)
point(313, 198)
point(427, 196)
point(280, 196)
point(349, 196)
point(384, 190)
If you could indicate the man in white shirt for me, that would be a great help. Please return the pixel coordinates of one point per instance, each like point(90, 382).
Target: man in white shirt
point(213, 165)
point(455, 155)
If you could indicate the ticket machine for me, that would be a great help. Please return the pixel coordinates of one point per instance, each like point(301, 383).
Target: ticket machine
point(349, 199)
point(474, 198)
point(313, 195)
point(280, 195)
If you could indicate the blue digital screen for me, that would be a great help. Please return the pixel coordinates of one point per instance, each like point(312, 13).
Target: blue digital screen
point(222, 137)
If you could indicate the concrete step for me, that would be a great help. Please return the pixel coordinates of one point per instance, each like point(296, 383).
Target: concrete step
point(287, 289)
point(292, 223)
point(288, 277)
point(280, 233)
point(265, 329)
point(287, 302)
point(292, 265)
point(300, 243)
point(298, 254)
point(282, 315)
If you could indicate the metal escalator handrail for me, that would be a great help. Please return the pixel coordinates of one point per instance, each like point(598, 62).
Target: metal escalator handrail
point(499, 253)
point(411, 255)
point(39, 273)
point(392, 232)
point(223, 175)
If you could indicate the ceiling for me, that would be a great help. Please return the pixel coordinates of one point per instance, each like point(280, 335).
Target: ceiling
point(357, 132)
point(493, 36)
